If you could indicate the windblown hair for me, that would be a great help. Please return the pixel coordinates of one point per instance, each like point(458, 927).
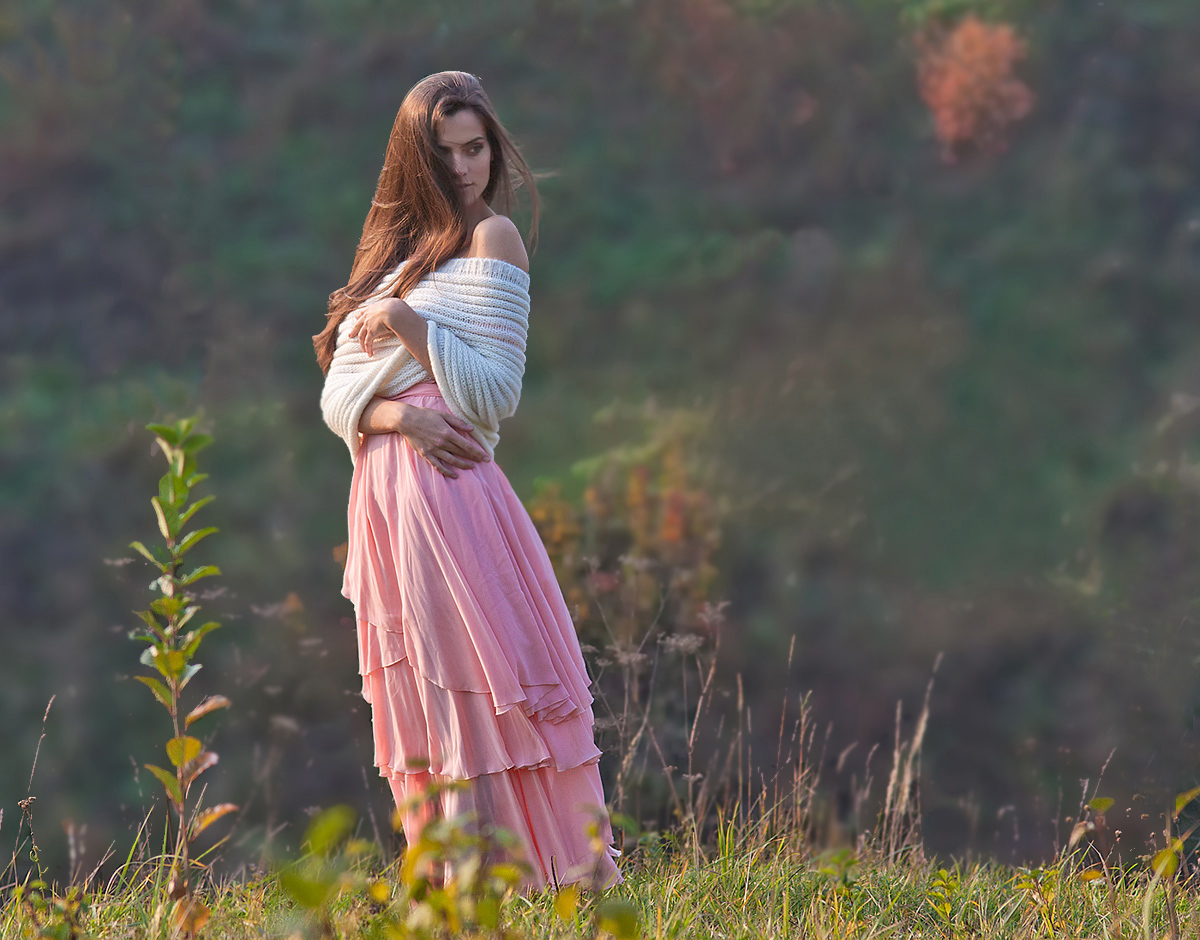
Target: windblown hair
point(417, 213)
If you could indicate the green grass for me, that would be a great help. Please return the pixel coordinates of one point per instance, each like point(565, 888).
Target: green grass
point(758, 888)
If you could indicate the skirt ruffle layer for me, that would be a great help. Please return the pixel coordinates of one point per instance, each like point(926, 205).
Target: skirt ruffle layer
point(459, 733)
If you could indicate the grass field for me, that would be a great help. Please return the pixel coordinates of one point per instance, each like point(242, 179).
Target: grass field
point(754, 888)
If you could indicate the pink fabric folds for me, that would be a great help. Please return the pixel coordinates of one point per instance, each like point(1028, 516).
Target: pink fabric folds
point(468, 655)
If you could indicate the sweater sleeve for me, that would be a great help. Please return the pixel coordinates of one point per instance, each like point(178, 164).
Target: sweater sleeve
point(351, 383)
point(479, 361)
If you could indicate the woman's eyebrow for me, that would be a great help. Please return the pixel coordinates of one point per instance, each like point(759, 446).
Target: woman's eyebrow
point(450, 143)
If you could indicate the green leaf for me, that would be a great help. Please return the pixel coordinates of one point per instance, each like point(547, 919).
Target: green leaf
point(183, 749)
point(1165, 863)
point(186, 616)
point(203, 820)
point(150, 619)
point(171, 663)
point(329, 829)
point(194, 443)
point(194, 768)
point(172, 491)
point(163, 526)
point(309, 893)
point(186, 676)
point(167, 607)
point(618, 917)
point(1102, 804)
point(170, 784)
point(360, 848)
point(204, 571)
point(192, 509)
point(193, 537)
point(166, 431)
point(192, 640)
point(507, 872)
point(1183, 799)
point(210, 704)
point(146, 553)
point(159, 690)
point(156, 658)
point(487, 910)
point(566, 902)
point(195, 479)
point(627, 824)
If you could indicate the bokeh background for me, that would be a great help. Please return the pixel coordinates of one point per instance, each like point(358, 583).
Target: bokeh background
point(910, 289)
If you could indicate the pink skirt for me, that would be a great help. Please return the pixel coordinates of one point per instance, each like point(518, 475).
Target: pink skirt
point(469, 657)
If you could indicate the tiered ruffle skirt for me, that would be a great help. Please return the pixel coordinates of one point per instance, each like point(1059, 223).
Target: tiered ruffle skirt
point(469, 657)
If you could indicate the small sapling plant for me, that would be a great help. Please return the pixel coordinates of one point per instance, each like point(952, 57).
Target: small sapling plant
point(171, 645)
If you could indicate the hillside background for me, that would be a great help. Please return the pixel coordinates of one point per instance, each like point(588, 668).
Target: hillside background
point(950, 384)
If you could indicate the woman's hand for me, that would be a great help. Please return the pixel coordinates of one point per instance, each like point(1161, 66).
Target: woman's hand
point(442, 439)
point(378, 321)
point(393, 317)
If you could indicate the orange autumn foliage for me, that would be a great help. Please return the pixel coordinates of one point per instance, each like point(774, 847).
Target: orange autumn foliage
point(965, 76)
point(640, 545)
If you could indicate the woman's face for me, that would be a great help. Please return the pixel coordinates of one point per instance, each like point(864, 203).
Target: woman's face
point(462, 142)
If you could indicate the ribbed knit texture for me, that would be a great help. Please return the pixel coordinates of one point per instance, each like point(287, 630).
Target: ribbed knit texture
point(477, 310)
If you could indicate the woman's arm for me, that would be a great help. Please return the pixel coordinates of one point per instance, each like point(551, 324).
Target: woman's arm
point(442, 439)
point(494, 237)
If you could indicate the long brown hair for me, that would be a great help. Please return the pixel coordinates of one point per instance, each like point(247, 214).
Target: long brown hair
point(417, 212)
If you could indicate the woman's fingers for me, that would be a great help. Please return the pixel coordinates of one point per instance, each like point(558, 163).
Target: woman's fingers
point(458, 424)
point(456, 461)
point(463, 444)
point(465, 447)
point(440, 467)
point(366, 330)
point(442, 439)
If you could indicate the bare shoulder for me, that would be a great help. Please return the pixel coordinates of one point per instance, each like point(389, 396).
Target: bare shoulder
point(497, 237)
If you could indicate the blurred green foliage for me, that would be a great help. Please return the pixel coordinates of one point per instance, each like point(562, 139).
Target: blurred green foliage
point(937, 390)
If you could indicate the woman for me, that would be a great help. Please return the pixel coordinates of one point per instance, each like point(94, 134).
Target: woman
point(467, 652)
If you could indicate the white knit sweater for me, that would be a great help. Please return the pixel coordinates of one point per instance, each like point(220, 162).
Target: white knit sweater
point(478, 315)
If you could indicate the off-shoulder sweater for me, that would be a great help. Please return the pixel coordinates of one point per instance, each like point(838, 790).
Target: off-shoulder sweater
point(477, 310)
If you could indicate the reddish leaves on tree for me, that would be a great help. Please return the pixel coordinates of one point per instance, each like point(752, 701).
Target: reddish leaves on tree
point(965, 75)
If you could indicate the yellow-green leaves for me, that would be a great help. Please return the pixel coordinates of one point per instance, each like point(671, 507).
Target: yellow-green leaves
point(1184, 798)
point(566, 903)
point(183, 749)
point(619, 918)
point(160, 691)
point(206, 818)
point(210, 704)
point(329, 830)
point(1166, 863)
point(169, 782)
point(306, 890)
point(170, 651)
